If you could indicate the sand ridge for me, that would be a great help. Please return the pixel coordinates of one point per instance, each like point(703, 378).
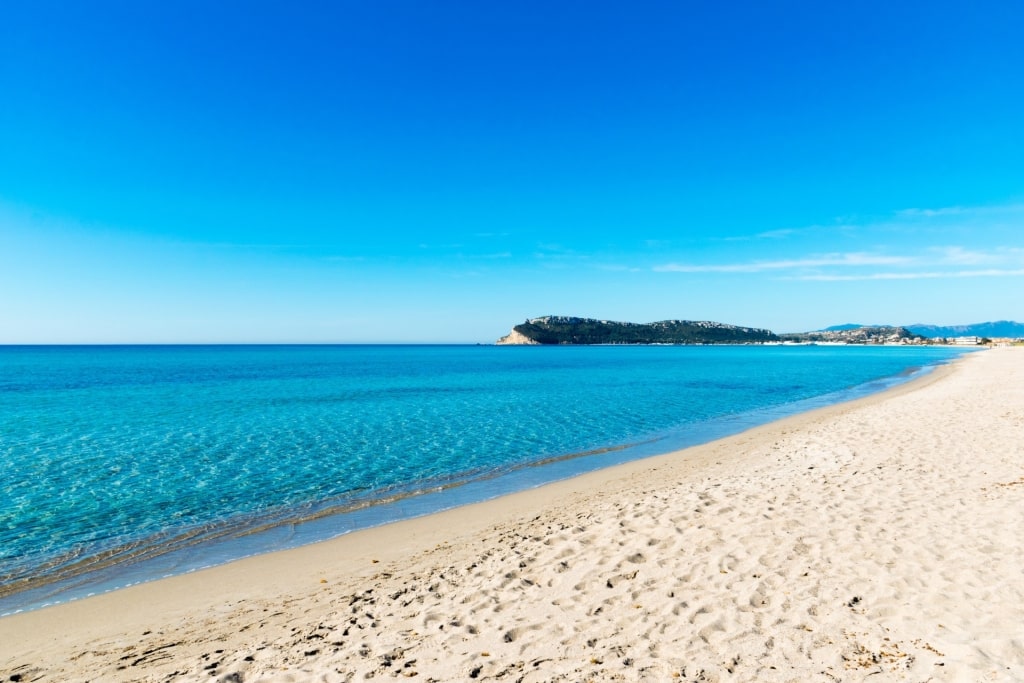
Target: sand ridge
point(878, 540)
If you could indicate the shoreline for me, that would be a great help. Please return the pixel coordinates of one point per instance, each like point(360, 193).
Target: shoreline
point(692, 560)
point(200, 549)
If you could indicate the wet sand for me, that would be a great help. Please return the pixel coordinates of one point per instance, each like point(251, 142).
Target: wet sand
point(875, 540)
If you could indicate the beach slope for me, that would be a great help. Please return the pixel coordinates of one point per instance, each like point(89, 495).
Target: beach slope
point(877, 540)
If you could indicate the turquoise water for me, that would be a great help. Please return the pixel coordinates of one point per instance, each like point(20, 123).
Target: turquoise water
point(111, 457)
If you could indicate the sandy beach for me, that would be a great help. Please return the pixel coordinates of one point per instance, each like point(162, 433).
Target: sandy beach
point(876, 540)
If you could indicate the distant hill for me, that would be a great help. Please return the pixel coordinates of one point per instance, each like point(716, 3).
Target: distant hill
point(850, 326)
point(1001, 328)
point(842, 328)
point(569, 330)
point(858, 334)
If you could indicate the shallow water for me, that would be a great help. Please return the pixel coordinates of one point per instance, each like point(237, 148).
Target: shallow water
point(121, 464)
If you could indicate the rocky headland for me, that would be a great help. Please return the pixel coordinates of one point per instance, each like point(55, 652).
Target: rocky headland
point(570, 330)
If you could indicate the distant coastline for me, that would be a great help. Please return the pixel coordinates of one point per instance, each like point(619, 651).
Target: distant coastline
point(572, 330)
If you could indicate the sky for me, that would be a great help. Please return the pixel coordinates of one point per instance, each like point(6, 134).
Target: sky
point(397, 171)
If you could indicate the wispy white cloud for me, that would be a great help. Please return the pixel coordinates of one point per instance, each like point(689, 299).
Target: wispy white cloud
point(453, 245)
point(923, 275)
point(552, 247)
point(962, 216)
point(964, 256)
point(933, 263)
point(909, 219)
point(343, 259)
point(782, 233)
point(919, 251)
point(776, 234)
point(933, 213)
point(845, 260)
point(549, 252)
point(618, 268)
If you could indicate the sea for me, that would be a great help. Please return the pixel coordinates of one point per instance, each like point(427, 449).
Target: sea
point(123, 464)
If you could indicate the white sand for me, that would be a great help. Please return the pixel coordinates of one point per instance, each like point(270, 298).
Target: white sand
point(879, 540)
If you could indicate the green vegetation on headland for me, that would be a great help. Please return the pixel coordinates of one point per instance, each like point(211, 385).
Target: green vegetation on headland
point(569, 330)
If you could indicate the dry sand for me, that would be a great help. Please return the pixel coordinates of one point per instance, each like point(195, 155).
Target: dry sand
point(878, 540)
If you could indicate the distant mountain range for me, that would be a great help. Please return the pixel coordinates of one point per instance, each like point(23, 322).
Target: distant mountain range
point(1001, 328)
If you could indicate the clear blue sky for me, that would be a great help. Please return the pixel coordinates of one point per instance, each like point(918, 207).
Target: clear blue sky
point(439, 171)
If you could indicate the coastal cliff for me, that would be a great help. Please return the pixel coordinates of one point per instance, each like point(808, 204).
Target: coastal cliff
point(516, 338)
point(569, 330)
